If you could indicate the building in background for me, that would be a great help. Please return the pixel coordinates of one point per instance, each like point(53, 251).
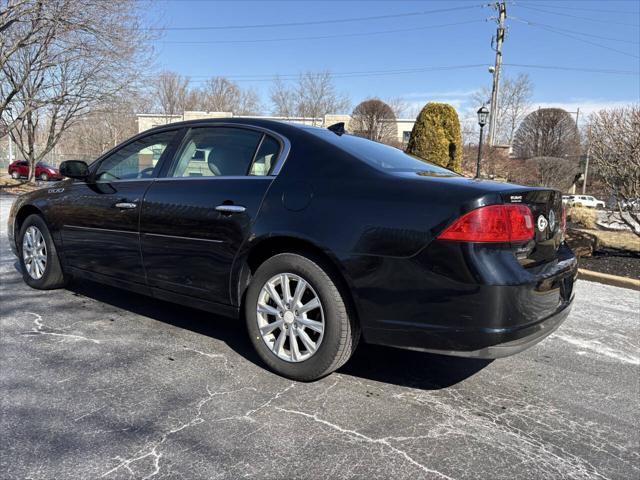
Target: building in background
point(150, 120)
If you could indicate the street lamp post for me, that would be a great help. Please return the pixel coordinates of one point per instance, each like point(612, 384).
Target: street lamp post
point(483, 113)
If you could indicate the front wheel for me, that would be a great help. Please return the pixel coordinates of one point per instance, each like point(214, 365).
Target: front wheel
point(297, 318)
point(44, 177)
point(38, 256)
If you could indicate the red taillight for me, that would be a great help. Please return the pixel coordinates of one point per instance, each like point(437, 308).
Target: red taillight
point(493, 223)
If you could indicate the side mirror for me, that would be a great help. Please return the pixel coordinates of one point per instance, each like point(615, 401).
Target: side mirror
point(74, 169)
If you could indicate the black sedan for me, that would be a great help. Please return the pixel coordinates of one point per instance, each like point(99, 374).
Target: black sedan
point(316, 237)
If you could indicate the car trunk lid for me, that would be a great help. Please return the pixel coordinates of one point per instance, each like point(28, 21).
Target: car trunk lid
point(546, 207)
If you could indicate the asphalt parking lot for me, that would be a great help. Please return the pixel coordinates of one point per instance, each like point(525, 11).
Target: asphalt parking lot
point(101, 383)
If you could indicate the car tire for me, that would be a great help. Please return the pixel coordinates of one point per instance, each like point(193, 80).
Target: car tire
point(44, 177)
point(15, 175)
point(341, 331)
point(49, 277)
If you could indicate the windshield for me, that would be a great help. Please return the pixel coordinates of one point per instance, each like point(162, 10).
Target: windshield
point(381, 156)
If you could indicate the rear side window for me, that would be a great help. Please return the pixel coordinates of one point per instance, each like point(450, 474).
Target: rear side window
point(216, 152)
point(266, 156)
point(381, 156)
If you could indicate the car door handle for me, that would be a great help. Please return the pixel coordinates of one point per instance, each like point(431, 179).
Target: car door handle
point(230, 208)
point(125, 205)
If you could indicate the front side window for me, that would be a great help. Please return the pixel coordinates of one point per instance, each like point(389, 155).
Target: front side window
point(137, 160)
point(217, 152)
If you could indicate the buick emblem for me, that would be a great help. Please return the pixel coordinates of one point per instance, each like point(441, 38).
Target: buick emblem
point(552, 220)
point(542, 223)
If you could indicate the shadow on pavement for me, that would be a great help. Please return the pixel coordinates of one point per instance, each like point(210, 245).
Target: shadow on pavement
point(371, 362)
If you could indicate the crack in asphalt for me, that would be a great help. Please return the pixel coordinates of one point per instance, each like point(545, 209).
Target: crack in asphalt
point(41, 329)
point(361, 437)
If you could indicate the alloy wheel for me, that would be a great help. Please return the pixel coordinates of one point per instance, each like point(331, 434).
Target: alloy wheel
point(290, 317)
point(34, 252)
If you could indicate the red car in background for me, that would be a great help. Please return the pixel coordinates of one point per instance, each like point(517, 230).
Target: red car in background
point(44, 172)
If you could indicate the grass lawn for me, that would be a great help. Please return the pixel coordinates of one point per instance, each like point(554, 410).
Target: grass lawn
point(9, 185)
point(618, 240)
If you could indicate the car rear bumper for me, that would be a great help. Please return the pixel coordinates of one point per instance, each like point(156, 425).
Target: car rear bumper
point(521, 338)
point(432, 312)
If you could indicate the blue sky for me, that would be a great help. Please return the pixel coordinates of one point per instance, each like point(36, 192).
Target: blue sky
point(601, 35)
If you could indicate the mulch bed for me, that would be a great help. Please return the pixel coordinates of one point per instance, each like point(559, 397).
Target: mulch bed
point(613, 263)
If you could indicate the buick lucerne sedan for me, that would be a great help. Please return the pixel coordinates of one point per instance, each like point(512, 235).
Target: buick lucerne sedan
point(316, 238)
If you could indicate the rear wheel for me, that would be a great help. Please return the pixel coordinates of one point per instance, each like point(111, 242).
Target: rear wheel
point(38, 256)
point(297, 318)
point(15, 175)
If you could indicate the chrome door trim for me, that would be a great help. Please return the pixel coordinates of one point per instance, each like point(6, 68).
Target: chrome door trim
point(97, 229)
point(211, 240)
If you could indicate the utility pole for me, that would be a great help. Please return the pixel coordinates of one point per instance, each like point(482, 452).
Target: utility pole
point(493, 119)
point(586, 163)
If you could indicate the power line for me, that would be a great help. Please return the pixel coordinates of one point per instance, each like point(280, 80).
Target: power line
point(370, 73)
point(599, 10)
point(411, 70)
point(589, 19)
point(576, 31)
point(317, 37)
point(575, 69)
point(553, 30)
point(321, 22)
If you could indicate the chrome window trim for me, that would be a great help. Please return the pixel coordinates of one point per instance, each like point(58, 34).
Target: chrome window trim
point(275, 169)
point(216, 178)
point(285, 148)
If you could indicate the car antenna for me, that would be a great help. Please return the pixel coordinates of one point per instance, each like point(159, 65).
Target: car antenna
point(337, 128)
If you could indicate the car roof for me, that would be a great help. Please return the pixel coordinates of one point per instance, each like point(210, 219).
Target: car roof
point(279, 126)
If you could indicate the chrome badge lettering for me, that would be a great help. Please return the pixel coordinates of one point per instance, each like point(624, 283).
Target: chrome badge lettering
point(55, 190)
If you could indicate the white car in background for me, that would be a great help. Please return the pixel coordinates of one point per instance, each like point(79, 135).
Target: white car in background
point(583, 201)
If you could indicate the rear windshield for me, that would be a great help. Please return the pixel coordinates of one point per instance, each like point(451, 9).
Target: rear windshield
point(381, 156)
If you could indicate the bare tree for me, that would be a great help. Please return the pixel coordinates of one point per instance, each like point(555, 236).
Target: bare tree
point(547, 132)
point(92, 54)
point(398, 105)
point(614, 147)
point(101, 129)
point(283, 99)
point(513, 105)
point(223, 95)
point(23, 24)
point(317, 95)
point(552, 172)
point(375, 120)
point(313, 96)
point(171, 91)
point(194, 100)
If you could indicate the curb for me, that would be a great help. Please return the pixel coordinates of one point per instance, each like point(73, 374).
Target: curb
point(608, 279)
